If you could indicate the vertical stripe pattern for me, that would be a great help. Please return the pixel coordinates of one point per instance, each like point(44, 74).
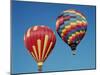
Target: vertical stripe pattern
point(39, 40)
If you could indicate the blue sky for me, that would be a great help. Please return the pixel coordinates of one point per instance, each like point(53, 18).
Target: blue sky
point(27, 14)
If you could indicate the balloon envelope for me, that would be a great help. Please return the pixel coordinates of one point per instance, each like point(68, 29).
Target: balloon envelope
point(71, 25)
point(39, 40)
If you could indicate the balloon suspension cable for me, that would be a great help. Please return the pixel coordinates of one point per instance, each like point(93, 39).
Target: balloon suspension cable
point(40, 66)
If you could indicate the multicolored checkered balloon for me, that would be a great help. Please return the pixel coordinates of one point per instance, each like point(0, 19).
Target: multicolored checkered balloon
point(71, 26)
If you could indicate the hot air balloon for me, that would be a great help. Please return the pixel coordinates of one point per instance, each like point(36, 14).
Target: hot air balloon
point(39, 40)
point(71, 26)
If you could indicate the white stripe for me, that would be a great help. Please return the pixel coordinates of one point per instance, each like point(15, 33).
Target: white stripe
point(35, 28)
point(24, 37)
point(42, 26)
point(28, 32)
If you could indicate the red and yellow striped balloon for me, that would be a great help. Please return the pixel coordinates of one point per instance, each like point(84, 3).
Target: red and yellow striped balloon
point(39, 40)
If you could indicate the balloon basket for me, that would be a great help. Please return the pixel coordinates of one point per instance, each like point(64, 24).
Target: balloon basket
point(74, 52)
point(40, 68)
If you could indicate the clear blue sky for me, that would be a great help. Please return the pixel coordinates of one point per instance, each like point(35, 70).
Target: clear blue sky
point(27, 14)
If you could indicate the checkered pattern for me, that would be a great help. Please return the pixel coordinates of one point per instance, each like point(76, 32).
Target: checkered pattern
point(71, 26)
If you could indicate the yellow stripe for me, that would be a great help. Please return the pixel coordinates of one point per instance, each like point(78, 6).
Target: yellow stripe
point(70, 38)
point(70, 11)
point(82, 32)
point(85, 22)
point(63, 31)
point(77, 33)
point(33, 56)
point(73, 23)
point(39, 47)
point(73, 35)
point(62, 34)
point(45, 44)
point(80, 15)
point(67, 26)
point(68, 42)
point(73, 11)
point(48, 50)
point(34, 49)
point(79, 21)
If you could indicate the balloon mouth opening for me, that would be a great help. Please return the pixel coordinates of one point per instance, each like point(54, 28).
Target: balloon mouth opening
point(40, 64)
